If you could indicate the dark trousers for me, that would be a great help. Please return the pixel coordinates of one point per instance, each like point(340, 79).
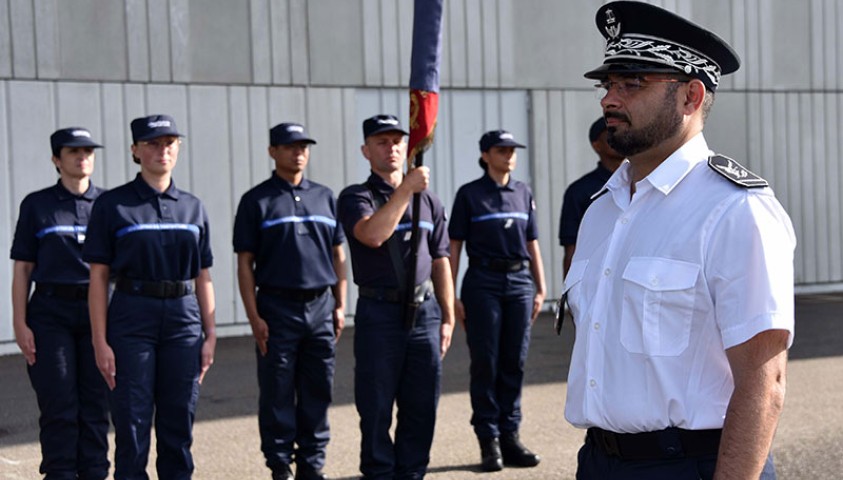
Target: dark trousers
point(498, 308)
point(595, 464)
point(70, 390)
point(157, 347)
point(295, 380)
point(396, 366)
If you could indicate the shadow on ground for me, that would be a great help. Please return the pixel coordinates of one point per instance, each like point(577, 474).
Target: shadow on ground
point(230, 388)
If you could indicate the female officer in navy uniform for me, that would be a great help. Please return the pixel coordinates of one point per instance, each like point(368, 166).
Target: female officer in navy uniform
point(153, 240)
point(52, 327)
point(502, 293)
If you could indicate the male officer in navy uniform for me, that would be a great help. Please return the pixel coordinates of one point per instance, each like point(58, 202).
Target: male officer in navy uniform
point(289, 247)
point(396, 363)
point(52, 326)
point(578, 194)
point(681, 286)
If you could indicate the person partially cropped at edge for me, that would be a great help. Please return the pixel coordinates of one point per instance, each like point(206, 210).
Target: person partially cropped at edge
point(681, 286)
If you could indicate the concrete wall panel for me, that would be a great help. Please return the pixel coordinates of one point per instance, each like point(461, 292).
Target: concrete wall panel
point(219, 42)
point(92, 40)
point(5, 41)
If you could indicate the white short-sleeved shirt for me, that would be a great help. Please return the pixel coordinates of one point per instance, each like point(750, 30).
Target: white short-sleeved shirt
point(662, 284)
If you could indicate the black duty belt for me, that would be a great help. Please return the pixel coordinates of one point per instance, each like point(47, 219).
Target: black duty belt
point(502, 265)
point(394, 295)
point(660, 445)
point(159, 289)
point(64, 291)
point(294, 294)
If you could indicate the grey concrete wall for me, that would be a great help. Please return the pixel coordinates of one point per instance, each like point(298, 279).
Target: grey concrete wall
point(229, 69)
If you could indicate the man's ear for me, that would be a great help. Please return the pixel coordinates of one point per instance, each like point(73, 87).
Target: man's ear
point(694, 96)
point(364, 149)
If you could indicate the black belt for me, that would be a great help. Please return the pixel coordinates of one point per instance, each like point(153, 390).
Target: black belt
point(395, 295)
point(502, 265)
point(64, 291)
point(294, 294)
point(159, 289)
point(663, 444)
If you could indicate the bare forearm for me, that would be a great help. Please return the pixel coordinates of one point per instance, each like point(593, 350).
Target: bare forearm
point(21, 281)
point(536, 267)
point(758, 367)
point(98, 302)
point(340, 288)
point(443, 287)
point(246, 284)
point(456, 251)
point(207, 302)
point(373, 231)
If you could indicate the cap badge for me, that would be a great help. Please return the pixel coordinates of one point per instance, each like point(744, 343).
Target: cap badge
point(612, 30)
point(80, 133)
point(506, 136)
point(158, 124)
point(295, 128)
point(387, 121)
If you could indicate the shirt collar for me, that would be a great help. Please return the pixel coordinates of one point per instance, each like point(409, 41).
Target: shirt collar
point(379, 184)
point(145, 192)
point(489, 183)
point(287, 186)
point(675, 167)
point(671, 171)
point(64, 194)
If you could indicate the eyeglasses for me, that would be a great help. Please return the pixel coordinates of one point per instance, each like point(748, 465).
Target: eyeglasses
point(628, 87)
point(161, 142)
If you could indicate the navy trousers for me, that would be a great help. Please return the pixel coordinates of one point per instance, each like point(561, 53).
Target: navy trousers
point(497, 308)
point(295, 380)
point(594, 464)
point(157, 347)
point(70, 390)
point(396, 366)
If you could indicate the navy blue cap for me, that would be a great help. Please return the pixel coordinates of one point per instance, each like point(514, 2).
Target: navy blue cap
point(287, 133)
point(598, 127)
point(498, 138)
point(154, 126)
point(380, 124)
point(643, 38)
point(71, 137)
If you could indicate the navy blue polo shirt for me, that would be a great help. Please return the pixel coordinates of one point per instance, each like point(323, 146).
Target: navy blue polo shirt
point(494, 221)
point(576, 201)
point(144, 234)
point(51, 230)
point(291, 230)
point(372, 267)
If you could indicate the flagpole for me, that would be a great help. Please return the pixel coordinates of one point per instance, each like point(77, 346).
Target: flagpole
point(424, 105)
point(409, 300)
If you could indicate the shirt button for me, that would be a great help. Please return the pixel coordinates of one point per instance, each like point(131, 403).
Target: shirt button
point(597, 326)
point(624, 220)
point(592, 383)
point(654, 281)
point(298, 198)
point(607, 272)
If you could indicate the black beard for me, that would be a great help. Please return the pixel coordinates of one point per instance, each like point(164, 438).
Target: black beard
point(664, 126)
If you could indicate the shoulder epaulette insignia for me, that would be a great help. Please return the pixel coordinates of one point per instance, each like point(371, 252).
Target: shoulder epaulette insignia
point(735, 172)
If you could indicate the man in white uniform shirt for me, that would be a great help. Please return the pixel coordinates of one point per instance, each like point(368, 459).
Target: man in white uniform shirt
point(681, 287)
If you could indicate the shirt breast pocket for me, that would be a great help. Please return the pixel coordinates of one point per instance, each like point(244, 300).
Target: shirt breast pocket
point(658, 305)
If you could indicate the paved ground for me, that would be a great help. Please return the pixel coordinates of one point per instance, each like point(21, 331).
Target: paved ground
point(807, 446)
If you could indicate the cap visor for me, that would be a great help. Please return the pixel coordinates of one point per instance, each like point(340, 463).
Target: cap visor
point(607, 69)
point(386, 129)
